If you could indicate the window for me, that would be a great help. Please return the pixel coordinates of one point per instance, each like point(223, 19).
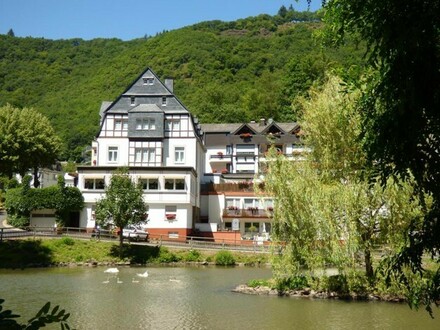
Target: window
point(175, 184)
point(112, 154)
point(173, 125)
point(170, 208)
point(179, 155)
point(233, 203)
point(94, 184)
point(251, 227)
point(121, 124)
point(150, 184)
point(250, 202)
point(148, 81)
point(145, 124)
point(164, 100)
point(144, 155)
point(132, 100)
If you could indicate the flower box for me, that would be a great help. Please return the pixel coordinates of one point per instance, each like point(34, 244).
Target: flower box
point(170, 216)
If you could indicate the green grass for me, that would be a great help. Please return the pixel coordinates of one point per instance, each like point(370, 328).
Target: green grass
point(44, 252)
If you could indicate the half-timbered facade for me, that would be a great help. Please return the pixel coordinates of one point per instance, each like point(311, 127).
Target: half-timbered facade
point(149, 131)
point(197, 179)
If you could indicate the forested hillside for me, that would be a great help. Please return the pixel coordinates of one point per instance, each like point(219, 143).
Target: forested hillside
point(223, 71)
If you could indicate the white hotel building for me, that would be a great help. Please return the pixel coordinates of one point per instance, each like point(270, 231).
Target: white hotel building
point(196, 178)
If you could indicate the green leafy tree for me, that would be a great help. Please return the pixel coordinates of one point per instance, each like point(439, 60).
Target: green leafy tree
point(27, 141)
point(122, 204)
point(401, 121)
point(11, 33)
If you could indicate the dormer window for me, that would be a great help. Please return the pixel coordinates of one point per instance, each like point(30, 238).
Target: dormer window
point(132, 100)
point(164, 101)
point(148, 81)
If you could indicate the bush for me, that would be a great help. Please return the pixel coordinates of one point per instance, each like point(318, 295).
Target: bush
point(165, 256)
point(335, 283)
point(256, 283)
point(292, 283)
point(192, 256)
point(224, 258)
point(67, 241)
point(18, 221)
point(358, 283)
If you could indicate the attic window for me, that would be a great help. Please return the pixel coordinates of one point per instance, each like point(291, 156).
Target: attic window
point(148, 81)
point(164, 100)
point(132, 100)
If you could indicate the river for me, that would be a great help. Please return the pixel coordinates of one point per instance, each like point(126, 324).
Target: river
point(189, 298)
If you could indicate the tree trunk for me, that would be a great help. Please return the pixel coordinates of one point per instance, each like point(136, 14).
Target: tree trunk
point(368, 263)
point(121, 243)
point(36, 181)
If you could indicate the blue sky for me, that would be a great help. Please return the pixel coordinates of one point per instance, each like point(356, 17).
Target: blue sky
point(125, 19)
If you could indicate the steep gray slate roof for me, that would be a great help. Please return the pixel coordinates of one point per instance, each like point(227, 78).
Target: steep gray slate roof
point(257, 127)
point(146, 108)
point(147, 94)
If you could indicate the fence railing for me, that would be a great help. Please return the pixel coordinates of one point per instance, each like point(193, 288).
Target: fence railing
point(190, 242)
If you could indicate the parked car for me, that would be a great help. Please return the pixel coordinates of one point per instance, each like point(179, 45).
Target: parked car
point(135, 233)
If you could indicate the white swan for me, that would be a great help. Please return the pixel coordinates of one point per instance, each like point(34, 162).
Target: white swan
point(106, 281)
point(119, 281)
point(111, 270)
point(145, 274)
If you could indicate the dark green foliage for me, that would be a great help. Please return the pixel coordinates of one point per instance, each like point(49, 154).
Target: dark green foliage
point(22, 253)
point(66, 241)
point(138, 254)
point(224, 258)
point(44, 317)
point(166, 256)
point(218, 68)
point(402, 38)
point(192, 256)
point(21, 201)
point(337, 283)
point(292, 283)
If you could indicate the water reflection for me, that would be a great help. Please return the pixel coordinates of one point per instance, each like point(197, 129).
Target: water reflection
point(189, 298)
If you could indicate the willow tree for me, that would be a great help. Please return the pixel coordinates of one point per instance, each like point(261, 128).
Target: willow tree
point(325, 211)
point(400, 108)
point(122, 204)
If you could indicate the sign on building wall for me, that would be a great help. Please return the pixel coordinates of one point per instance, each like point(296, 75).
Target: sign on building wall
point(235, 224)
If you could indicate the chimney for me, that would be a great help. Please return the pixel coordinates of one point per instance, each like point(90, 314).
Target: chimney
point(169, 83)
point(262, 122)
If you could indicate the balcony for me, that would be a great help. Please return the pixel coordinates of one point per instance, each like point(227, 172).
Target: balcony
point(250, 212)
point(219, 157)
point(230, 187)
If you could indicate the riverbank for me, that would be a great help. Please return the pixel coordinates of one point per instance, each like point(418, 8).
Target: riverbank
point(68, 252)
point(308, 293)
